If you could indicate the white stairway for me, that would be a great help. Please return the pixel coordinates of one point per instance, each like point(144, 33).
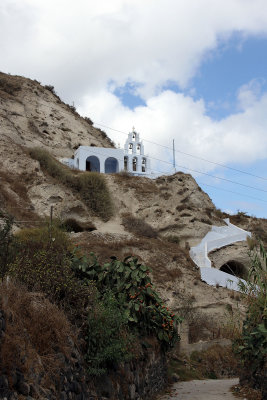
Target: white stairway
point(218, 237)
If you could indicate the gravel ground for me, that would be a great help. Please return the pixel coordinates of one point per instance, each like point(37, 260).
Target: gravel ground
point(210, 389)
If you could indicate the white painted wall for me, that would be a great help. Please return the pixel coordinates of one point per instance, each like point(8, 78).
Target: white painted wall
point(134, 148)
point(218, 237)
point(102, 153)
point(67, 161)
point(213, 277)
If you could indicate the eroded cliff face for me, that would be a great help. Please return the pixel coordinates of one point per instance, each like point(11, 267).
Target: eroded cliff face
point(31, 115)
point(174, 206)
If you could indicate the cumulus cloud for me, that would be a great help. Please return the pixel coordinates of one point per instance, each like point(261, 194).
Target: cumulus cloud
point(249, 93)
point(87, 49)
point(239, 138)
point(81, 46)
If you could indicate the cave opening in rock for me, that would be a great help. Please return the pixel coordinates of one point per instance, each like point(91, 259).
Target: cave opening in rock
point(234, 268)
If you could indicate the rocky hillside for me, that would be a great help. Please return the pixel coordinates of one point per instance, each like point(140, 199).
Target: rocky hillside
point(155, 219)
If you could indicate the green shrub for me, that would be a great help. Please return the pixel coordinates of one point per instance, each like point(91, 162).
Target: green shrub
point(91, 186)
point(108, 340)
point(7, 244)
point(43, 263)
point(53, 167)
point(252, 345)
point(131, 285)
point(95, 194)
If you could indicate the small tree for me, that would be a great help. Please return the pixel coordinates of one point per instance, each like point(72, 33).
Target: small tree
point(131, 285)
point(252, 345)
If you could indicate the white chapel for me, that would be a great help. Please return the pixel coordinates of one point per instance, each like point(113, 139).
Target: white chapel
point(107, 160)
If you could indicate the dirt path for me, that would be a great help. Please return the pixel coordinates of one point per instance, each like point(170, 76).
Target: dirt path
point(211, 389)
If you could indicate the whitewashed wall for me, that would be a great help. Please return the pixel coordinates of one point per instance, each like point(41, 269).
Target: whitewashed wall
point(102, 153)
point(215, 277)
point(218, 237)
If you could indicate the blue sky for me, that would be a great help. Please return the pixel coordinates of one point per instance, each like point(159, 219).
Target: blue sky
point(191, 71)
point(218, 80)
point(233, 64)
point(225, 70)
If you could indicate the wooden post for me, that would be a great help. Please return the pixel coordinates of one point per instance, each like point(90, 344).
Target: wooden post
point(51, 222)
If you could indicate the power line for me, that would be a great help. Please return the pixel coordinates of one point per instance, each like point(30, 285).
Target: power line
point(188, 154)
point(169, 148)
point(189, 169)
point(164, 172)
point(193, 170)
point(231, 191)
point(210, 175)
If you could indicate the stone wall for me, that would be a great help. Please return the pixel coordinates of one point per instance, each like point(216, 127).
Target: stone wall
point(138, 379)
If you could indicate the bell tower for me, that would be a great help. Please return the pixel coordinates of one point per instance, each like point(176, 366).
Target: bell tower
point(134, 160)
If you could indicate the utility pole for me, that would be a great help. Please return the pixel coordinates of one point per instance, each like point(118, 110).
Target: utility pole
point(51, 222)
point(173, 155)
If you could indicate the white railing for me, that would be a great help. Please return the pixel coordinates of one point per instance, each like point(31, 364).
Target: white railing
point(225, 241)
point(229, 234)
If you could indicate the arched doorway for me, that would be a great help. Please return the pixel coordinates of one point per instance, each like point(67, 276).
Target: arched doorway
point(111, 165)
point(234, 268)
point(92, 164)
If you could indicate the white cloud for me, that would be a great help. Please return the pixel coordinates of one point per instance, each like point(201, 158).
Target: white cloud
point(239, 138)
point(249, 93)
point(81, 46)
point(85, 47)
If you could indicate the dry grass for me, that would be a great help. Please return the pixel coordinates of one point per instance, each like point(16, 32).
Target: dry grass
point(172, 239)
point(9, 84)
point(72, 225)
point(138, 226)
point(216, 362)
point(143, 187)
point(36, 332)
point(245, 392)
point(251, 242)
point(90, 186)
point(164, 258)
point(219, 214)
point(259, 228)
